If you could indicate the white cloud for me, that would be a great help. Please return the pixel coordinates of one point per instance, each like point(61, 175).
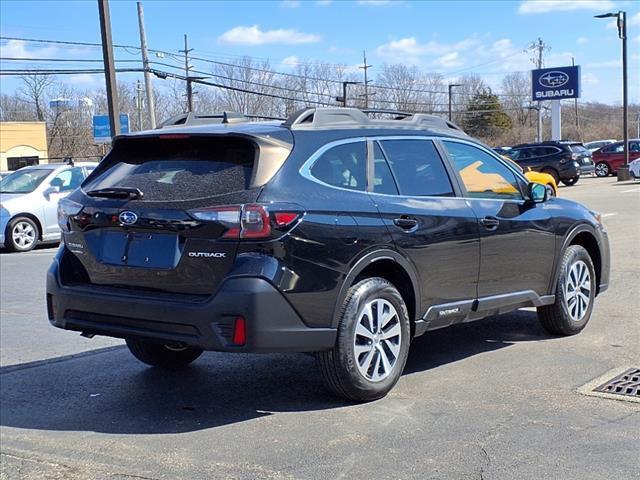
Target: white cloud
point(605, 64)
point(290, 3)
point(582, 40)
point(253, 35)
point(409, 50)
point(291, 61)
point(86, 79)
point(545, 6)
point(18, 48)
point(323, 3)
point(449, 60)
point(589, 79)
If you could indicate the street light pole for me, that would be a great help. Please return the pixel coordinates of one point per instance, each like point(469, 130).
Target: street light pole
point(451, 85)
point(621, 21)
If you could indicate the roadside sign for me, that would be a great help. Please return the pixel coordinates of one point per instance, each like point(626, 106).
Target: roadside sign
point(102, 129)
point(555, 83)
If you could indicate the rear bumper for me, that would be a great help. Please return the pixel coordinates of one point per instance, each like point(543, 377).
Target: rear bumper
point(587, 169)
point(272, 323)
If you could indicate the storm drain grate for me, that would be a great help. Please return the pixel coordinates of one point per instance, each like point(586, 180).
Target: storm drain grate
point(622, 383)
point(627, 383)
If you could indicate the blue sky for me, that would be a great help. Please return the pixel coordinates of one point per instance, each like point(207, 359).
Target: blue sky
point(455, 37)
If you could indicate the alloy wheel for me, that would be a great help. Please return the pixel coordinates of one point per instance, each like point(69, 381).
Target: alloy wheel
point(602, 169)
point(377, 340)
point(23, 235)
point(577, 290)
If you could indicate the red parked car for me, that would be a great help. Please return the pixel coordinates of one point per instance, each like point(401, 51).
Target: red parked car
point(610, 157)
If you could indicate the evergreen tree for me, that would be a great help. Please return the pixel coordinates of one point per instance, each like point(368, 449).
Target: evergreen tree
point(486, 117)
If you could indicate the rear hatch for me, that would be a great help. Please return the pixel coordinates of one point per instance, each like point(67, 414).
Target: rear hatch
point(164, 212)
point(581, 154)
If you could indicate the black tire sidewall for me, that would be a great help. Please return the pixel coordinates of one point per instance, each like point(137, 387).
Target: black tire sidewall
point(353, 382)
point(572, 255)
point(9, 234)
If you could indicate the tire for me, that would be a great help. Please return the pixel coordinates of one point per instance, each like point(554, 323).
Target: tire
point(553, 173)
point(22, 234)
point(571, 181)
point(551, 192)
point(375, 369)
point(162, 356)
point(569, 314)
point(603, 169)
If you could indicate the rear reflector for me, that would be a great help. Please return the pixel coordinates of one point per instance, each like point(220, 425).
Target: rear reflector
point(284, 219)
point(239, 331)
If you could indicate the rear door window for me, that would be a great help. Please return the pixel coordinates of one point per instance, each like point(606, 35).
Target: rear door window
point(178, 169)
point(383, 181)
point(417, 168)
point(343, 166)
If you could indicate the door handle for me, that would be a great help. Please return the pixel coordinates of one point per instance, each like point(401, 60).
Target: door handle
point(490, 223)
point(406, 223)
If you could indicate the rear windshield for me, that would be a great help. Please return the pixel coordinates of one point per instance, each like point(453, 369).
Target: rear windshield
point(178, 168)
point(577, 148)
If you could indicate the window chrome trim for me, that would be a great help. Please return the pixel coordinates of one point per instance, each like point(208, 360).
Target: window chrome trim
point(305, 169)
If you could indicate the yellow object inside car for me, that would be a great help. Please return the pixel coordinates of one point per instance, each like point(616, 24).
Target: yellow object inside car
point(477, 181)
point(537, 177)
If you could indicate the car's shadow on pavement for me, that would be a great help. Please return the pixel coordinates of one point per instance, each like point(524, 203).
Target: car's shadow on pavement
point(111, 392)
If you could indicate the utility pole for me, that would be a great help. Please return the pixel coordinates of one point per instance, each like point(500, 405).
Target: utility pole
point(109, 68)
point(151, 104)
point(573, 63)
point(139, 104)
point(451, 85)
point(541, 47)
point(186, 74)
point(365, 67)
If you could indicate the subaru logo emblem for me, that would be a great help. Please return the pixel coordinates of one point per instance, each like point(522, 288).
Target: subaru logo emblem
point(128, 218)
point(553, 79)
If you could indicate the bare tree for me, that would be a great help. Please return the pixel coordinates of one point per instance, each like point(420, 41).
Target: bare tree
point(34, 90)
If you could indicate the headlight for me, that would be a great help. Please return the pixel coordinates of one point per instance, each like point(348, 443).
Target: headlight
point(67, 208)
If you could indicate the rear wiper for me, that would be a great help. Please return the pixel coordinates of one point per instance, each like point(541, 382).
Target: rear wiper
point(117, 192)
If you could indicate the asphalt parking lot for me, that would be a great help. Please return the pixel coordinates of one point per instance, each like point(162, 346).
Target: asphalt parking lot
point(493, 399)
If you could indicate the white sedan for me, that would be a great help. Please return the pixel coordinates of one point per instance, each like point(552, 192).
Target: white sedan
point(634, 168)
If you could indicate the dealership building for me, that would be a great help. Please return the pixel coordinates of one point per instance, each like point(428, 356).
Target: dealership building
point(22, 144)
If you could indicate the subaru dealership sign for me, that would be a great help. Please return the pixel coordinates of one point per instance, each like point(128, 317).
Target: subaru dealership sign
point(555, 83)
point(102, 129)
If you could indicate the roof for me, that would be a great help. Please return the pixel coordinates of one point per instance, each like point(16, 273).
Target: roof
point(54, 166)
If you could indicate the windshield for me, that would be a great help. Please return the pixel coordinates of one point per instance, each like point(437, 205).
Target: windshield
point(577, 148)
point(23, 181)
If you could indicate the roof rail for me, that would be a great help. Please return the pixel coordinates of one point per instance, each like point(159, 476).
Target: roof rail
point(335, 117)
point(191, 118)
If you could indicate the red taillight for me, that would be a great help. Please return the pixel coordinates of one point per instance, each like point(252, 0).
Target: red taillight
point(239, 331)
point(284, 219)
point(250, 221)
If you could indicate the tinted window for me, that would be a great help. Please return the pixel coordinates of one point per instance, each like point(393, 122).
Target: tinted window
point(634, 147)
point(68, 180)
point(483, 175)
point(520, 153)
point(417, 167)
point(383, 181)
point(23, 181)
point(577, 148)
point(178, 169)
point(343, 166)
point(615, 148)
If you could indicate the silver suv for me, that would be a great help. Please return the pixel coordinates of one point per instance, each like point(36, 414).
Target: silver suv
point(29, 202)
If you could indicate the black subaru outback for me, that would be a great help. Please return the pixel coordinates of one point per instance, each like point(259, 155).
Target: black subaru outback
point(331, 233)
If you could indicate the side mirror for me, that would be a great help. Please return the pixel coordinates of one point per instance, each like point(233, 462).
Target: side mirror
point(48, 191)
point(537, 192)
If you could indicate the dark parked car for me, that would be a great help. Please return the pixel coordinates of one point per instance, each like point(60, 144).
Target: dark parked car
point(609, 158)
point(563, 160)
point(330, 233)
